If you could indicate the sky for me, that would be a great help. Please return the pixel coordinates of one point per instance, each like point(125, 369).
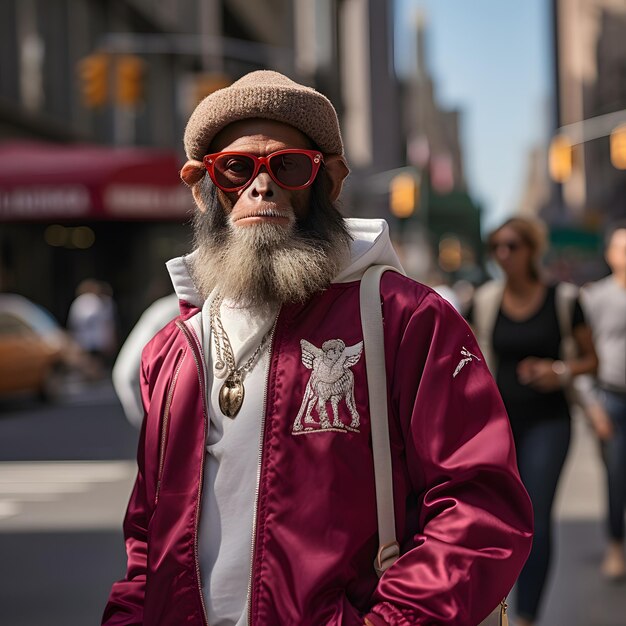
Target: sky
point(492, 60)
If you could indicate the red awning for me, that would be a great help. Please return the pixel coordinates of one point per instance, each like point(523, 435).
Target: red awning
point(43, 181)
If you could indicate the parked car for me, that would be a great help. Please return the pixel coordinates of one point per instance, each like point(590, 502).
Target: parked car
point(36, 353)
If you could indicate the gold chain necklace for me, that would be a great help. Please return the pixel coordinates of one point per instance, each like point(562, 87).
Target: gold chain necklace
point(232, 392)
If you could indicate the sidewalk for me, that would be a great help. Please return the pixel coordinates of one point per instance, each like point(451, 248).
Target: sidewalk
point(576, 594)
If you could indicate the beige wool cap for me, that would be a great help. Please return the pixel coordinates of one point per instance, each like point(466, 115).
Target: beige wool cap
point(268, 95)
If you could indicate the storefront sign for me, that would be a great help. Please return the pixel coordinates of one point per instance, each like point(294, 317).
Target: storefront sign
point(42, 201)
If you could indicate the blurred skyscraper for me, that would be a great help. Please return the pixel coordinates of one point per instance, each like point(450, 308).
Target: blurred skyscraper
point(590, 74)
point(445, 211)
point(578, 185)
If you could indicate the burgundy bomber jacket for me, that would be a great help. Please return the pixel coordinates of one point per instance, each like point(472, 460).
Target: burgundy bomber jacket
point(463, 518)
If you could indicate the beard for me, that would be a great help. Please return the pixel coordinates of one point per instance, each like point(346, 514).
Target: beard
point(266, 264)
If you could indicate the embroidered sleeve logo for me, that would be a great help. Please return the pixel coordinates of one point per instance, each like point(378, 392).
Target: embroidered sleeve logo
point(467, 357)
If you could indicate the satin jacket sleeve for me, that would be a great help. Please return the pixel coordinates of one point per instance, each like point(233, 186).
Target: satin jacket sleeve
point(126, 600)
point(470, 531)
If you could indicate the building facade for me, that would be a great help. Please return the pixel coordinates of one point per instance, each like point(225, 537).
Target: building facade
point(590, 76)
point(103, 90)
point(158, 59)
point(589, 103)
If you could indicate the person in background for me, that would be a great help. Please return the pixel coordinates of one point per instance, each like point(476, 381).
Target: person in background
point(535, 339)
point(440, 284)
point(464, 291)
point(604, 303)
point(255, 498)
point(92, 320)
point(127, 368)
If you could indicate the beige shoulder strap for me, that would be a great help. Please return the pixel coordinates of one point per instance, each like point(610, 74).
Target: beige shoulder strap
point(374, 347)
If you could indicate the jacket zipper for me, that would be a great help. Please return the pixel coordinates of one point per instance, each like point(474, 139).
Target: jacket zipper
point(258, 482)
point(164, 423)
point(196, 351)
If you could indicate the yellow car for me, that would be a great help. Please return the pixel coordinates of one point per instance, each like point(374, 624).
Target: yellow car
point(35, 351)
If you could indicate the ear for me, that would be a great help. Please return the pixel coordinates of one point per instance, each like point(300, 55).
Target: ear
point(337, 170)
point(192, 172)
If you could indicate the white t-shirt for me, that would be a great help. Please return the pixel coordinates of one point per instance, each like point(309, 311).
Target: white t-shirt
point(231, 469)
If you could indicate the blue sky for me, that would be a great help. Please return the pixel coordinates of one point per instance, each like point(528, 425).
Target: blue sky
point(492, 60)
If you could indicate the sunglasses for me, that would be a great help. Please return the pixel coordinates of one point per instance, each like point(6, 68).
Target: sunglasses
point(291, 168)
point(511, 246)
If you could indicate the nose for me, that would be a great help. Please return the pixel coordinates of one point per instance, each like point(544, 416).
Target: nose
point(262, 186)
point(502, 253)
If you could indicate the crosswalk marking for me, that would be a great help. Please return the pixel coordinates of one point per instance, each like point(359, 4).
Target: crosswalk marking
point(64, 495)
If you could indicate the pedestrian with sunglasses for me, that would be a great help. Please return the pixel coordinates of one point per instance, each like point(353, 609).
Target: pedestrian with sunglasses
point(255, 498)
point(536, 340)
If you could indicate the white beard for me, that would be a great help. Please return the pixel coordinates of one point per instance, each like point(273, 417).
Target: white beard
point(267, 264)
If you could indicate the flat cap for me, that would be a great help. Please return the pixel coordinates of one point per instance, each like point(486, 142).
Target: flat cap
point(268, 95)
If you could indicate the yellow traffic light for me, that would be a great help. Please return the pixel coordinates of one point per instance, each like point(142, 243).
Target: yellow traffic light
point(403, 195)
point(560, 158)
point(93, 73)
point(618, 147)
point(129, 78)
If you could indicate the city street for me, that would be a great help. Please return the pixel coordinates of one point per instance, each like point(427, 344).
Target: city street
point(577, 595)
point(65, 475)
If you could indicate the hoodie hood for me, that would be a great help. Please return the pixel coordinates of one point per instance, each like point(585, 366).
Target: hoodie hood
point(371, 245)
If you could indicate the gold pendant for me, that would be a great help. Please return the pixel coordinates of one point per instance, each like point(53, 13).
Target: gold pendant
point(231, 395)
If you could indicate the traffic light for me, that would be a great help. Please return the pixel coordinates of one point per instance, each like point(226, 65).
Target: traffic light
point(403, 190)
point(129, 78)
point(93, 73)
point(618, 147)
point(560, 158)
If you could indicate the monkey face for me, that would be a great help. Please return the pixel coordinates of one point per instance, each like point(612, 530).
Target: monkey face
point(263, 200)
point(266, 238)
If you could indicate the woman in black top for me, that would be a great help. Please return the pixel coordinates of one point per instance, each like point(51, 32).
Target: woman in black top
point(518, 324)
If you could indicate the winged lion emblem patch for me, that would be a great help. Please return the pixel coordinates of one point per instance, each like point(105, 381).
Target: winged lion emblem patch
point(331, 381)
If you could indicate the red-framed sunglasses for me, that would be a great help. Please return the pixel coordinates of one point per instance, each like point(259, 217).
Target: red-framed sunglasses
point(291, 168)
